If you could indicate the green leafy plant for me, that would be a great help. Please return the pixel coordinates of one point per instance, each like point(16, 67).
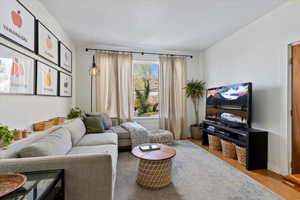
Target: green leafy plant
point(6, 136)
point(142, 104)
point(195, 90)
point(75, 113)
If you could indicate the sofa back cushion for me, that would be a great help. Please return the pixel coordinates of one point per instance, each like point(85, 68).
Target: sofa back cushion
point(77, 130)
point(104, 118)
point(56, 143)
point(93, 125)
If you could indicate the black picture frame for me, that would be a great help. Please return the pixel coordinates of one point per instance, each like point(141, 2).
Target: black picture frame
point(59, 76)
point(33, 75)
point(38, 24)
point(36, 79)
point(59, 57)
point(33, 50)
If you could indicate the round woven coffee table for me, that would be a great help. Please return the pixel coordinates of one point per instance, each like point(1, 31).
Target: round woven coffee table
point(154, 166)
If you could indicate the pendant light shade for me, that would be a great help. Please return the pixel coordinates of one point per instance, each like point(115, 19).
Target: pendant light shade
point(93, 69)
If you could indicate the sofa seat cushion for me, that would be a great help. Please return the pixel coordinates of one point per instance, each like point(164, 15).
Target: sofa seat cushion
point(55, 143)
point(98, 139)
point(121, 132)
point(77, 130)
point(101, 149)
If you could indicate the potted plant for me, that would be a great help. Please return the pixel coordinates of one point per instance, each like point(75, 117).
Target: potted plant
point(6, 136)
point(195, 90)
point(75, 113)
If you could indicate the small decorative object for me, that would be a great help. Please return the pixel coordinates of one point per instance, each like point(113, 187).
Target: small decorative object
point(25, 133)
point(214, 143)
point(46, 80)
point(65, 85)
point(228, 149)
point(75, 113)
point(17, 24)
point(41, 126)
point(65, 57)
point(57, 120)
point(11, 182)
point(47, 44)
point(16, 72)
point(241, 154)
point(6, 136)
point(195, 90)
point(19, 135)
point(149, 147)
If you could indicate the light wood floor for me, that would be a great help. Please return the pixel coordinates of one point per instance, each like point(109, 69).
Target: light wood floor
point(268, 178)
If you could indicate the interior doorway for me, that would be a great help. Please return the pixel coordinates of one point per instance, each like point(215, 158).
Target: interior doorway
point(295, 76)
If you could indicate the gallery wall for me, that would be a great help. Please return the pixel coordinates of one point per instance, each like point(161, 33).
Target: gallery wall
point(259, 53)
point(20, 111)
point(84, 61)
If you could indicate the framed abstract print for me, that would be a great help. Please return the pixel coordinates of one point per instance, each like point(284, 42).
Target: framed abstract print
point(65, 85)
point(46, 80)
point(65, 57)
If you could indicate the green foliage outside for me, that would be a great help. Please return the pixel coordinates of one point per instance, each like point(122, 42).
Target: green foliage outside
point(6, 136)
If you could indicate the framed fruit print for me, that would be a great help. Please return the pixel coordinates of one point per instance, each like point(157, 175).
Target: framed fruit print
point(47, 43)
point(65, 85)
point(46, 80)
point(16, 72)
point(17, 24)
point(65, 57)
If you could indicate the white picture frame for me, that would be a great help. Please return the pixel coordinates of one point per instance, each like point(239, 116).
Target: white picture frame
point(46, 80)
point(65, 85)
point(47, 44)
point(65, 57)
point(17, 72)
point(17, 24)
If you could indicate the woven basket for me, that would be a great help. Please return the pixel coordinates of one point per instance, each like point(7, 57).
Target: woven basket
point(57, 120)
point(214, 143)
point(41, 126)
point(228, 149)
point(241, 154)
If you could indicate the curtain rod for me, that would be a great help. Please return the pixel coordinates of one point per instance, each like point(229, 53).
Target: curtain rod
point(138, 52)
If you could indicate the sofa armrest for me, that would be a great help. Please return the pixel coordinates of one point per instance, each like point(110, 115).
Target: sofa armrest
point(87, 177)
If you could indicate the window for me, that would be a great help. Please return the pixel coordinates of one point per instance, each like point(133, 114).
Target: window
point(146, 89)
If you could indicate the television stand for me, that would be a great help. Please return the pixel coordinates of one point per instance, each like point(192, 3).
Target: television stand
point(254, 141)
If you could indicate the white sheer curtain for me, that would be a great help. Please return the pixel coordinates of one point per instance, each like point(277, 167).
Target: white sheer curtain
point(172, 95)
point(114, 85)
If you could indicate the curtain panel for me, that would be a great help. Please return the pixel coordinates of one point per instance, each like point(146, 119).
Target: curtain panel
point(172, 95)
point(114, 85)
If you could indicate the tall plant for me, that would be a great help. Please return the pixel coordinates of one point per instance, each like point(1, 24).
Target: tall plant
point(195, 90)
point(142, 103)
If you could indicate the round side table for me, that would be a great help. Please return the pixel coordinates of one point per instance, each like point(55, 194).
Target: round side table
point(155, 166)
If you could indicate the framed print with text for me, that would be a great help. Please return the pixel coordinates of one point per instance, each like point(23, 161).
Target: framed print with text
point(65, 85)
point(65, 57)
point(47, 43)
point(17, 24)
point(46, 81)
point(16, 72)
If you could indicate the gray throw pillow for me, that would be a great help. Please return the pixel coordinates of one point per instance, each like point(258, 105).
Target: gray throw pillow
point(55, 143)
point(77, 130)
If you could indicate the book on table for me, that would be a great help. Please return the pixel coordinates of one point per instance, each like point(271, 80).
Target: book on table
point(149, 147)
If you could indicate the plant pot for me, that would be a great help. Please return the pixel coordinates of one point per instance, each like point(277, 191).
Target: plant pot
point(196, 132)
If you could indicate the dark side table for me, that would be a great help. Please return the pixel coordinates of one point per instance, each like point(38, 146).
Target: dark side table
point(40, 185)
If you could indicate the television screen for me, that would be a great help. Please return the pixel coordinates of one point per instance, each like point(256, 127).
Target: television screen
point(230, 104)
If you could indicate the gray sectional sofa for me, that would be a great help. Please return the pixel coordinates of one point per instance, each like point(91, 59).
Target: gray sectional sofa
point(89, 160)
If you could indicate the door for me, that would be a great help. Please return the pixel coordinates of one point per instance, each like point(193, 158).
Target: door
point(296, 109)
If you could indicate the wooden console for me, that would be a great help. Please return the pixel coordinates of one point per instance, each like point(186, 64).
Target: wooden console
point(255, 141)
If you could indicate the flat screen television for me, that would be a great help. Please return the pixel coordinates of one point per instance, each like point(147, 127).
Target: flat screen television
point(230, 105)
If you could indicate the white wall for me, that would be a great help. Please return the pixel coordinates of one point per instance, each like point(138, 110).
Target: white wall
point(84, 62)
point(19, 111)
point(259, 53)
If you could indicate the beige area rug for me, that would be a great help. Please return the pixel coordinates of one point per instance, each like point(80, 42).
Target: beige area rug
point(196, 175)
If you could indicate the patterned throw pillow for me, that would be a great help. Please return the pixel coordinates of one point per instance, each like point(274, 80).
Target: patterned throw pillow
point(93, 125)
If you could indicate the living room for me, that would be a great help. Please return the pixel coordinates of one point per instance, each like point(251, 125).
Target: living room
point(111, 77)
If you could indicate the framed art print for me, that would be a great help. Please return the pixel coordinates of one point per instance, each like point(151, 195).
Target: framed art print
point(65, 85)
point(65, 57)
point(47, 43)
point(17, 24)
point(16, 72)
point(46, 81)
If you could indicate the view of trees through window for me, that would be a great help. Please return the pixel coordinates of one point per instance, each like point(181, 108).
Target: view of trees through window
point(146, 89)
